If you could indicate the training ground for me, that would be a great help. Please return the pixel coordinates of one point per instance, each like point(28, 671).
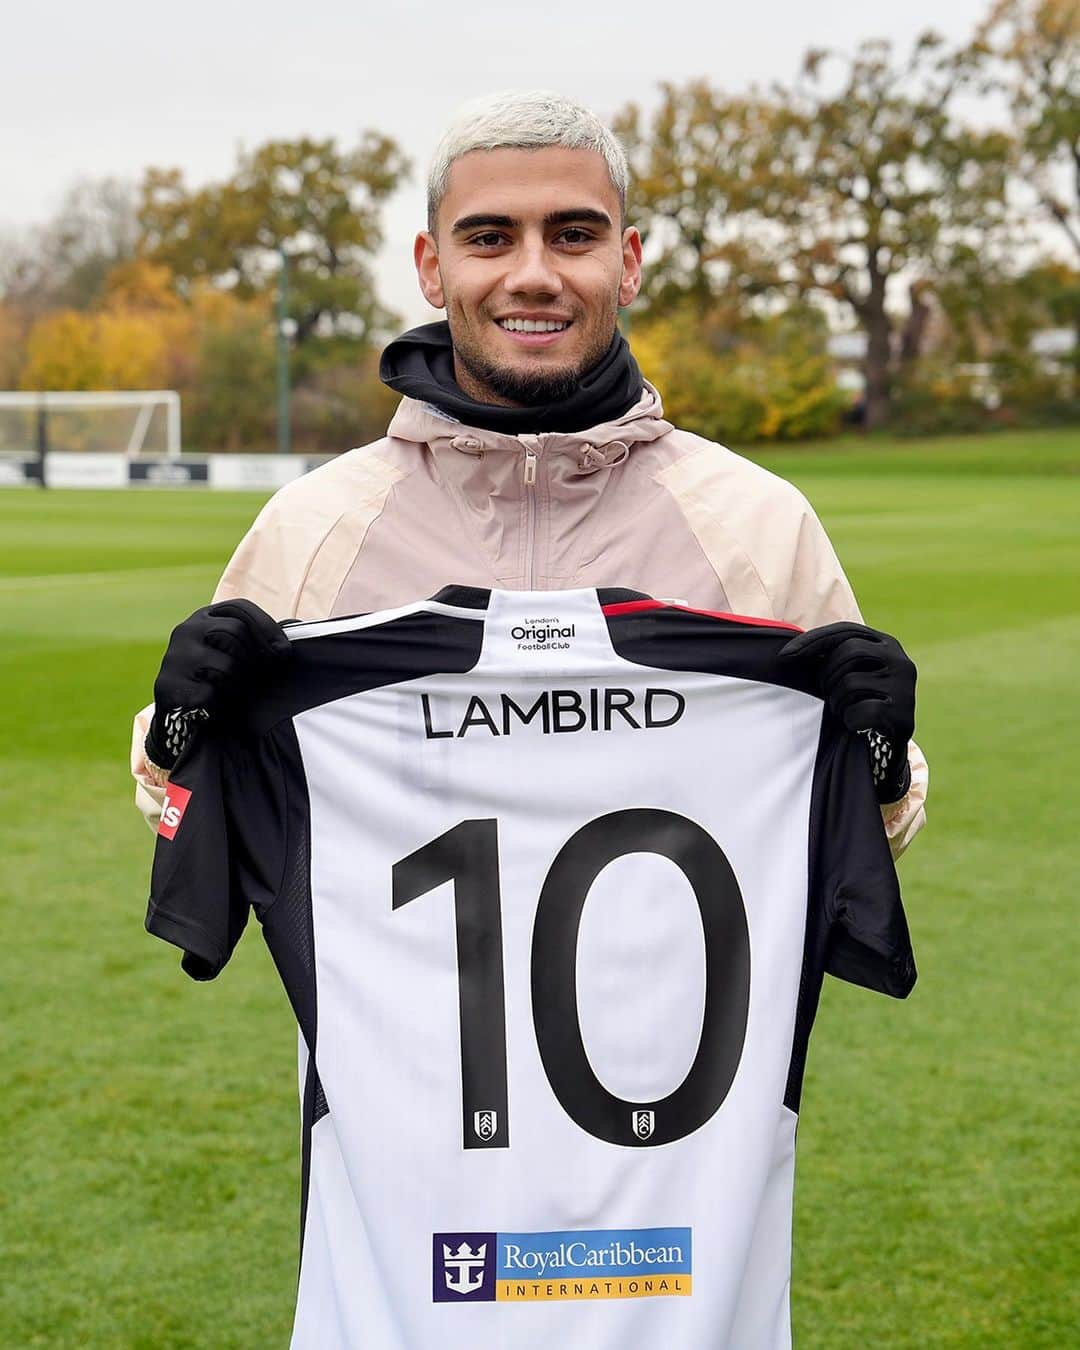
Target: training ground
point(149, 1124)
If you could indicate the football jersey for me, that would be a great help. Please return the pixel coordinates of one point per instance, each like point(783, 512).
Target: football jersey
point(551, 880)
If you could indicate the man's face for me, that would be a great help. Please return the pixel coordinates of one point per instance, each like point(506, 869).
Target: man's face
point(531, 265)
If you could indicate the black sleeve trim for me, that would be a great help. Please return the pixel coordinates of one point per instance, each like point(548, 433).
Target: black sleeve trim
point(287, 923)
point(860, 957)
point(203, 959)
point(856, 929)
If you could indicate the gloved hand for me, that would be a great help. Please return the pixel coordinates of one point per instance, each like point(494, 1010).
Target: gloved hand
point(210, 661)
point(868, 682)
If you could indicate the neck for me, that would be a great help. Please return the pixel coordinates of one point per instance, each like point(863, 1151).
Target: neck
point(423, 365)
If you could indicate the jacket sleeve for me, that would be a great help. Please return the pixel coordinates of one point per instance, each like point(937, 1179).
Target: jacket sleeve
point(291, 562)
point(269, 566)
point(766, 544)
point(149, 788)
point(812, 590)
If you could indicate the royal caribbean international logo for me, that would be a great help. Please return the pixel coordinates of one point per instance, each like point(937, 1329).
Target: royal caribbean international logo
point(464, 1267)
point(589, 1264)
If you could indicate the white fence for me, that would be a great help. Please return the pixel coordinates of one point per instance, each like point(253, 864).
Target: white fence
point(98, 469)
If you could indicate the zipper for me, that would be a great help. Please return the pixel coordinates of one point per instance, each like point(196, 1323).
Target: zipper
point(531, 459)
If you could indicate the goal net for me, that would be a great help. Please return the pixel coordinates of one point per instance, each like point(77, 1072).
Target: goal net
point(135, 422)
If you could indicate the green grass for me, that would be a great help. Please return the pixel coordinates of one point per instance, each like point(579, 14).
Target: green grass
point(149, 1124)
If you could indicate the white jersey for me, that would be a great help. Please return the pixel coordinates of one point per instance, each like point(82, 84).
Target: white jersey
point(552, 880)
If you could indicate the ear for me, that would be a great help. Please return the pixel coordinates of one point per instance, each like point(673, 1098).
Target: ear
point(426, 258)
point(631, 265)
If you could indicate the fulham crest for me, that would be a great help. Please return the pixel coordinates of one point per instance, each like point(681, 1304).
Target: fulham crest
point(644, 1122)
point(486, 1124)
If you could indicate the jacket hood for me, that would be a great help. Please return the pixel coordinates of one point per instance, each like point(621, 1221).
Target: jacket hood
point(420, 365)
point(601, 446)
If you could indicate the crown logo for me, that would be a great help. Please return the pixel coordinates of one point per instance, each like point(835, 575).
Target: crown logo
point(463, 1269)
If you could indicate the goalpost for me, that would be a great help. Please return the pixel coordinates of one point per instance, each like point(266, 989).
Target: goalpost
point(121, 421)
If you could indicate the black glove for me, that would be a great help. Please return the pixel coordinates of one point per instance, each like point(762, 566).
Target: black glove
point(211, 660)
point(868, 681)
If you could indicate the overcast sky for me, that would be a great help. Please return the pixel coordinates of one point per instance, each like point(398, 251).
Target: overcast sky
point(111, 87)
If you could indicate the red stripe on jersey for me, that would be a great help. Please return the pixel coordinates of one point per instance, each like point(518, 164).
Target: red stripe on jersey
point(636, 607)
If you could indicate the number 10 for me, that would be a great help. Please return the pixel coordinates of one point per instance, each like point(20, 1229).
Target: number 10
point(468, 855)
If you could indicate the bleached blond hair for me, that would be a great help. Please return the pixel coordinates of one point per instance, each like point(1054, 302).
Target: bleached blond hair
point(524, 119)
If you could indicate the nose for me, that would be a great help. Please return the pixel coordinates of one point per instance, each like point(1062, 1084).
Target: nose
point(532, 270)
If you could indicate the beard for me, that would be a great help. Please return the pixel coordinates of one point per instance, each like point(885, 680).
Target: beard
point(521, 388)
point(524, 388)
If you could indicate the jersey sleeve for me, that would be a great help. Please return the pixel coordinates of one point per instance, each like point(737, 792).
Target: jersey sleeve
point(219, 850)
point(854, 876)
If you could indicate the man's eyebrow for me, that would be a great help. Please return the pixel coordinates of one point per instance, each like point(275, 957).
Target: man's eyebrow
point(582, 214)
point(586, 215)
point(483, 218)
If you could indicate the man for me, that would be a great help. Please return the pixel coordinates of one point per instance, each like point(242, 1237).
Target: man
point(528, 453)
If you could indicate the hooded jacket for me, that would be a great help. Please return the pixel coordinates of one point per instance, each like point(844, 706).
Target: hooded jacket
point(630, 502)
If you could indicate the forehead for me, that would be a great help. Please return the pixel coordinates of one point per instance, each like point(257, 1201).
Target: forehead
point(527, 184)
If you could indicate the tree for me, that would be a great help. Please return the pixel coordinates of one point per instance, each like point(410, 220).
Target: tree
point(66, 263)
point(342, 403)
point(1030, 50)
point(871, 184)
point(230, 403)
point(693, 167)
point(141, 285)
point(317, 202)
point(71, 350)
point(857, 188)
point(770, 380)
point(13, 331)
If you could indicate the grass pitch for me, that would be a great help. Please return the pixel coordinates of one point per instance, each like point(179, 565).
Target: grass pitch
point(150, 1124)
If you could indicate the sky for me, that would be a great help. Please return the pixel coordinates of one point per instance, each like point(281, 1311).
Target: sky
point(110, 88)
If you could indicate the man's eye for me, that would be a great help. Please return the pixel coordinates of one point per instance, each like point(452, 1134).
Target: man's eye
point(489, 239)
point(574, 235)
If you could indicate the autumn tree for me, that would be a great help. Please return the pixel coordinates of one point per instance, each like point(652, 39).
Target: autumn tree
point(229, 394)
point(73, 350)
point(1030, 51)
point(311, 198)
point(768, 379)
point(707, 331)
point(64, 264)
point(14, 326)
point(141, 285)
point(693, 164)
point(873, 189)
point(857, 186)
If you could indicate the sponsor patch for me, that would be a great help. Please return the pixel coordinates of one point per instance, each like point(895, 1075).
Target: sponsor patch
point(172, 811)
point(541, 1267)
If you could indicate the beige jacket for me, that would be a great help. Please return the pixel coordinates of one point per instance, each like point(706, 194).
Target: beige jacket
point(634, 503)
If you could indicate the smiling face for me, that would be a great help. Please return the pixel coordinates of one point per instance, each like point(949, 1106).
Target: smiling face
point(531, 265)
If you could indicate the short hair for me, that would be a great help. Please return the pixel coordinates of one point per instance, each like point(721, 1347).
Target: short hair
point(524, 119)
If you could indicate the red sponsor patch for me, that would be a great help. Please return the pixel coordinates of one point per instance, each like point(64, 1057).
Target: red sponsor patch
point(172, 812)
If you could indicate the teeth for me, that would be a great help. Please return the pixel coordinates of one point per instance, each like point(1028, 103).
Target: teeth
point(533, 325)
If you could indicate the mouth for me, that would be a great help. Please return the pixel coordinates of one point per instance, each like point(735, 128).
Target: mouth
point(534, 332)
